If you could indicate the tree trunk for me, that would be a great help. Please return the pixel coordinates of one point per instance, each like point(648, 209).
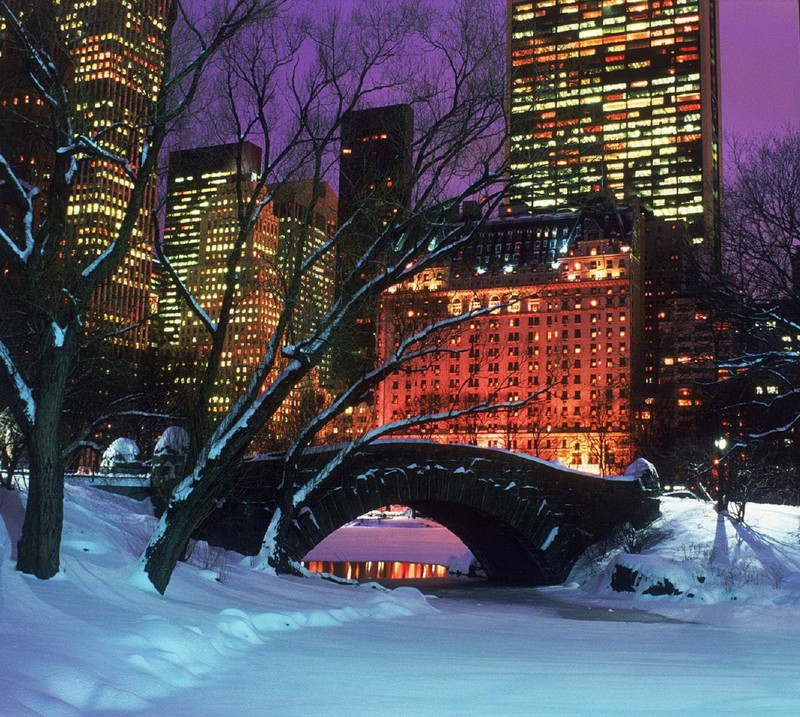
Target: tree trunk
point(722, 490)
point(168, 544)
point(272, 552)
point(40, 542)
point(180, 519)
point(279, 561)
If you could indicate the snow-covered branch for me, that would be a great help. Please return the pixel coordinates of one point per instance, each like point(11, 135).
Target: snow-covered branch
point(44, 73)
point(401, 356)
point(24, 199)
point(20, 395)
point(92, 147)
point(301, 495)
point(438, 241)
point(185, 293)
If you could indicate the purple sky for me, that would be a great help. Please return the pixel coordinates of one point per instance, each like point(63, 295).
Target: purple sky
point(760, 49)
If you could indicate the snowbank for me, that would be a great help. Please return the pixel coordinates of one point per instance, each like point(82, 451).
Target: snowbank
point(706, 557)
point(89, 642)
point(229, 640)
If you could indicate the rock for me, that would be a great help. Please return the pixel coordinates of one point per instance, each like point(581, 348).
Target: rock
point(645, 472)
point(122, 453)
point(624, 579)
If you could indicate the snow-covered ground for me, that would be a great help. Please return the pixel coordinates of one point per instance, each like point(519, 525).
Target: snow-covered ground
point(88, 643)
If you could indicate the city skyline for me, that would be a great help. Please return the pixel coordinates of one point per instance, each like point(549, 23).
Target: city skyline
point(760, 91)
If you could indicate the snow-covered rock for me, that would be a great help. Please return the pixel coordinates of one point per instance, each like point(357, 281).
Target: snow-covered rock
point(703, 556)
point(175, 440)
point(645, 472)
point(169, 456)
point(120, 454)
point(465, 564)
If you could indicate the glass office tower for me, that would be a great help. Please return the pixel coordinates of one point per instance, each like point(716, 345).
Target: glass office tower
point(619, 95)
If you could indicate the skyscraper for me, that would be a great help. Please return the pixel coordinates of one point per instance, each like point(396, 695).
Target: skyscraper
point(201, 227)
point(307, 220)
point(621, 95)
point(111, 53)
point(119, 53)
point(374, 184)
point(193, 181)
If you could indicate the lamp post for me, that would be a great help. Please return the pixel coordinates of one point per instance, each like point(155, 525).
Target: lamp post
point(722, 489)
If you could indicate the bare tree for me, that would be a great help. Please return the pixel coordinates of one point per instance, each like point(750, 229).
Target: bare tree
point(57, 279)
point(761, 297)
point(604, 411)
point(749, 473)
point(446, 63)
point(762, 215)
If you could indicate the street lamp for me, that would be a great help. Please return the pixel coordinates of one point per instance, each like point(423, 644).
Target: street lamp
point(722, 499)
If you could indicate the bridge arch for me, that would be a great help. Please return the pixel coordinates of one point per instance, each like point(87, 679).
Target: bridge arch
point(525, 520)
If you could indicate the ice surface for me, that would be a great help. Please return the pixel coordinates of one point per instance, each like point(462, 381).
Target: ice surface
point(398, 539)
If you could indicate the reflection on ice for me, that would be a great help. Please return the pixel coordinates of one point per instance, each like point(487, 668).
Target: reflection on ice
point(377, 569)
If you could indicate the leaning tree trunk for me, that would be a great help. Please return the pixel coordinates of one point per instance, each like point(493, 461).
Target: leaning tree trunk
point(273, 553)
point(273, 549)
point(181, 518)
point(40, 541)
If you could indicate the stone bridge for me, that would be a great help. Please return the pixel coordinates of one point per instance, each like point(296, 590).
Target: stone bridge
point(525, 520)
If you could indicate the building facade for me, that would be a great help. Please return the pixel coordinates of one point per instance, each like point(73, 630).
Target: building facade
point(307, 217)
point(194, 180)
point(619, 95)
point(683, 340)
point(563, 329)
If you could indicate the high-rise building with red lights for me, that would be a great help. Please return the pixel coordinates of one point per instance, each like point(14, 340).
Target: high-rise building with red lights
point(619, 95)
point(567, 329)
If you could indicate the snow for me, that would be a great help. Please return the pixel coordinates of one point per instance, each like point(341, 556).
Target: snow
point(173, 440)
point(639, 466)
point(710, 558)
point(121, 450)
point(98, 260)
point(16, 186)
point(229, 640)
point(23, 391)
point(548, 541)
point(59, 335)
